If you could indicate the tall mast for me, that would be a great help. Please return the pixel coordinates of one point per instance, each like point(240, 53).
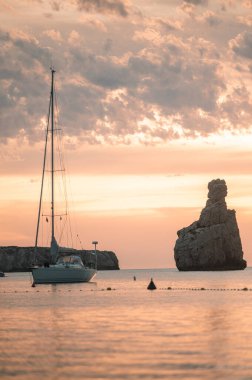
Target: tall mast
point(43, 176)
point(52, 155)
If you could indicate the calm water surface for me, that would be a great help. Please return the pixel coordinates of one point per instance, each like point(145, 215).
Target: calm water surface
point(84, 331)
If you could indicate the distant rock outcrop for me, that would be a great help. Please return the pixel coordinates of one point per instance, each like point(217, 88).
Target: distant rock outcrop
point(213, 242)
point(22, 258)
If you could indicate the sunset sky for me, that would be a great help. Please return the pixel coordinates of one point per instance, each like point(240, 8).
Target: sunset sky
point(155, 101)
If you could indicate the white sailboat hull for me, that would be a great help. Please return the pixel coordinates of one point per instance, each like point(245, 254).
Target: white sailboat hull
point(57, 274)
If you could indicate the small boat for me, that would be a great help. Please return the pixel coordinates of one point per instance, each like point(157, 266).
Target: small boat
point(2, 274)
point(66, 267)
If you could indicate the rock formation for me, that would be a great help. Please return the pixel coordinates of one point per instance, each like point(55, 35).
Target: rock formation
point(213, 242)
point(22, 258)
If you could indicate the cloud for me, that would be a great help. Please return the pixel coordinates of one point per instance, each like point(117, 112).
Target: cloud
point(245, 20)
point(196, 2)
point(236, 109)
point(21, 85)
point(103, 6)
point(74, 38)
point(164, 78)
point(165, 24)
point(242, 44)
point(108, 45)
point(55, 5)
point(53, 34)
point(136, 99)
point(247, 3)
point(93, 22)
point(108, 7)
point(211, 19)
point(141, 96)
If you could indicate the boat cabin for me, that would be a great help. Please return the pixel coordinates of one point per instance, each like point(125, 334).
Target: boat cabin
point(70, 260)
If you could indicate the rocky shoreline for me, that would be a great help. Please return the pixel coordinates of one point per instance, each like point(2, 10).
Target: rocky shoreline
point(21, 259)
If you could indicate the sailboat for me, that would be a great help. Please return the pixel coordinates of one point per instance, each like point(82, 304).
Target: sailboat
point(67, 267)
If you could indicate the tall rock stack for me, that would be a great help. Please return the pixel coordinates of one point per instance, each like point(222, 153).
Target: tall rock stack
point(213, 242)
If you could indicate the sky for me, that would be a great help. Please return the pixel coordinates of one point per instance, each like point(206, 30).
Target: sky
point(154, 101)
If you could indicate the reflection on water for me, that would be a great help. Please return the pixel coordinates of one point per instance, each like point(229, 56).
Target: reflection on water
point(77, 331)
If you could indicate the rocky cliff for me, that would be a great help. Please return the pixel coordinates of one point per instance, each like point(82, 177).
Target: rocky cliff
point(213, 242)
point(22, 258)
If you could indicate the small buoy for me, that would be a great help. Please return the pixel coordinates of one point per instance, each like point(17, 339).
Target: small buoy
point(151, 285)
point(134, 278)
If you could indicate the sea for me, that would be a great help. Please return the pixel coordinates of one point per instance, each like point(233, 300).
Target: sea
point(195, 325)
